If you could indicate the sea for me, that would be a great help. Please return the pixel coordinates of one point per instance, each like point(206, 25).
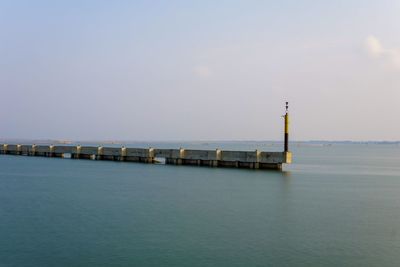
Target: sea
point(337, 204)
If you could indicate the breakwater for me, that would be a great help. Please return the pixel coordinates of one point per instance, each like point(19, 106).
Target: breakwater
point(212, 158)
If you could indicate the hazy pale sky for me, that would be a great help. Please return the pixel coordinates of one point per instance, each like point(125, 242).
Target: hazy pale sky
point(199, 70)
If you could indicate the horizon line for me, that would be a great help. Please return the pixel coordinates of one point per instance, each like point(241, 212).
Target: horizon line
point(197, 140)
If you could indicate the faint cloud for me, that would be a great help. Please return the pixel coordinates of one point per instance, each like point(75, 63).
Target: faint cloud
point(373, 46)
point(376, 50)
point(202, 71)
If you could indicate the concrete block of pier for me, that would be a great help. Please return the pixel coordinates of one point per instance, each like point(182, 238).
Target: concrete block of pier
point(200, 154)
point(145, 155)
point(3, 148)
point(139, 152)
point(24, 149)
point(172, 156)
point(12, 149)
point(200, 157)
point(239, 159)
point(40, 150)
point(165, 153)
point(243, 156)
point(274, 160)
point(110, 153)
point(85, 152)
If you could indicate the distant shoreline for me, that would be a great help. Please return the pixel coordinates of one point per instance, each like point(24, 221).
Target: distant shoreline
point(122, 142)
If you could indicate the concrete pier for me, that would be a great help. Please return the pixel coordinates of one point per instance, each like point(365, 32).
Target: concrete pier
point(212, 158)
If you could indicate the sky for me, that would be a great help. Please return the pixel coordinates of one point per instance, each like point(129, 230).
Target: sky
point(199, 70)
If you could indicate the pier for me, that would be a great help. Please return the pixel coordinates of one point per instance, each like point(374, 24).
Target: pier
point(212, 158)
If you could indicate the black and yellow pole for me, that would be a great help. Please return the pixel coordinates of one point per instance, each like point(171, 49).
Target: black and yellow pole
point(286, 116)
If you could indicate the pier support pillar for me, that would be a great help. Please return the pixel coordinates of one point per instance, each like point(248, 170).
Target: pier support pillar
point(123, 154)
point(99, 155)
point(18, 149)
point(218, 156)
point(33, 150)
point(150, 158)
point(51, 151)
point(5, 149)
point(77, 154)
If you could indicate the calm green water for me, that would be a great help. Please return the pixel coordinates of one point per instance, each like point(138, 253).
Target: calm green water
point(336, 206)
